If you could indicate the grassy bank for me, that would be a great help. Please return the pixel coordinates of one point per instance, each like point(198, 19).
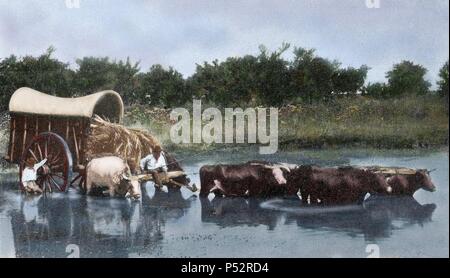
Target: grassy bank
point(410, 122)
point(400, 123)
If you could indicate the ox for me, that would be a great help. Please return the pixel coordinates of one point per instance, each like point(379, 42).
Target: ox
point(293, 174)
point(240, 180)
point(113, 173)
point(409, 184)
point(339, 186)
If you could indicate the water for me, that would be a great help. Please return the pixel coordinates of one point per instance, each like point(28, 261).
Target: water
point(184, 225)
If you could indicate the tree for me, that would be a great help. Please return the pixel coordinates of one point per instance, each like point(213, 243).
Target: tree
point(376, 90)
point(43, 73)
point(162, 87)
point(349, 80)
point(312, 76)
point(208, 83)
point(273, 78)
point(407, 78)
point(443, 81)
point(9, 80)
point(98, 74)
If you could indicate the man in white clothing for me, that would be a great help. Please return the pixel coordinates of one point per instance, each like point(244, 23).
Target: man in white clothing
point(29, 175)
point(156, 165)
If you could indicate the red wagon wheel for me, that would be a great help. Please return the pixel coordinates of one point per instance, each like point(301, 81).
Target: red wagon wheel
point(57, 171)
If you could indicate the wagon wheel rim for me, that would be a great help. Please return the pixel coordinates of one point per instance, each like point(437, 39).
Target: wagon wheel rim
point(56, 173)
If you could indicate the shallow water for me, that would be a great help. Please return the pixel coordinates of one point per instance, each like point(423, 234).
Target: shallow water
point(184, 225)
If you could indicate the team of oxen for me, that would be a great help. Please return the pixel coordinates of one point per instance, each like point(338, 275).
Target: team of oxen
point(311, 184)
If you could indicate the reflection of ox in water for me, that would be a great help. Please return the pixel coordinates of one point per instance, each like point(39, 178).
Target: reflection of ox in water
point(101, 227)
point(168, 205)
point(230, 212)
point(374, 220)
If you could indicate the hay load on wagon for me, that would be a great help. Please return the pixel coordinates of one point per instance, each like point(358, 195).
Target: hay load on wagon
point(69, 132)
point(108, 138)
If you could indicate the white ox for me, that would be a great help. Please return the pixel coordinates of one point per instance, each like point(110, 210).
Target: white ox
point(113, 173)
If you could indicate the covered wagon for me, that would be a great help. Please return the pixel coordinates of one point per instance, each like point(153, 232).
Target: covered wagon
point(69, 132)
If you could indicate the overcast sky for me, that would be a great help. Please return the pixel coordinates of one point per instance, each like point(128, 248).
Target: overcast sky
point(181, 33)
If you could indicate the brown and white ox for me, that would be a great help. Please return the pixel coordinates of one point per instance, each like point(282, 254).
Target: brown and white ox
point(409, 184)
point(340, 186)
point(113, 173)
point(240, 180)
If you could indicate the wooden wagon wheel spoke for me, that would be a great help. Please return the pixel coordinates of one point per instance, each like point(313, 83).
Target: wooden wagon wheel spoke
point(57, 171)
point(46, 148)
point(49, 186)
point(57, 167)
point(34, 156)
point(57, 175)
point(40, 150)
point(56, 158)
point(54, 161)
point(55, 183)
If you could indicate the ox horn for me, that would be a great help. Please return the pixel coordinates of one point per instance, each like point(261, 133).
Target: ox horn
point(432, 170)
point(125, 177)
point(285, 167)
point(290, 165)
point(277, 166)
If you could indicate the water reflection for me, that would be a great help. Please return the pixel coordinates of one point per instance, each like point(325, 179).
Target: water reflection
point(101, 227)
point(378, 218)
point(229, 212)
point(104, 227)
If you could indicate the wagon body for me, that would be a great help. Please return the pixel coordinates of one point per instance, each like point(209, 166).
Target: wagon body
point(61, 124)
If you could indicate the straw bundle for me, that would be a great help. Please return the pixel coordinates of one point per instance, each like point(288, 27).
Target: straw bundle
point(114, 139)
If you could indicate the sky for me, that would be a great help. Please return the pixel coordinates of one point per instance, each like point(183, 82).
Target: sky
point(183, 33)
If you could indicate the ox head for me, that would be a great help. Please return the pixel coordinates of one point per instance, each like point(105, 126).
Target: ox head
point(133, 186)
point(423, 180)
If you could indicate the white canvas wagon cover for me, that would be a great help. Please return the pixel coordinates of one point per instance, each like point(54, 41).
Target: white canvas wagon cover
point(107, 104)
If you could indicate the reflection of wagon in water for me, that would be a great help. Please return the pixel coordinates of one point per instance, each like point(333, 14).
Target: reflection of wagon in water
point(69, 132)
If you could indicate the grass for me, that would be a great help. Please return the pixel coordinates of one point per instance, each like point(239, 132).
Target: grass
point(409, 122)
point(402, 123)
